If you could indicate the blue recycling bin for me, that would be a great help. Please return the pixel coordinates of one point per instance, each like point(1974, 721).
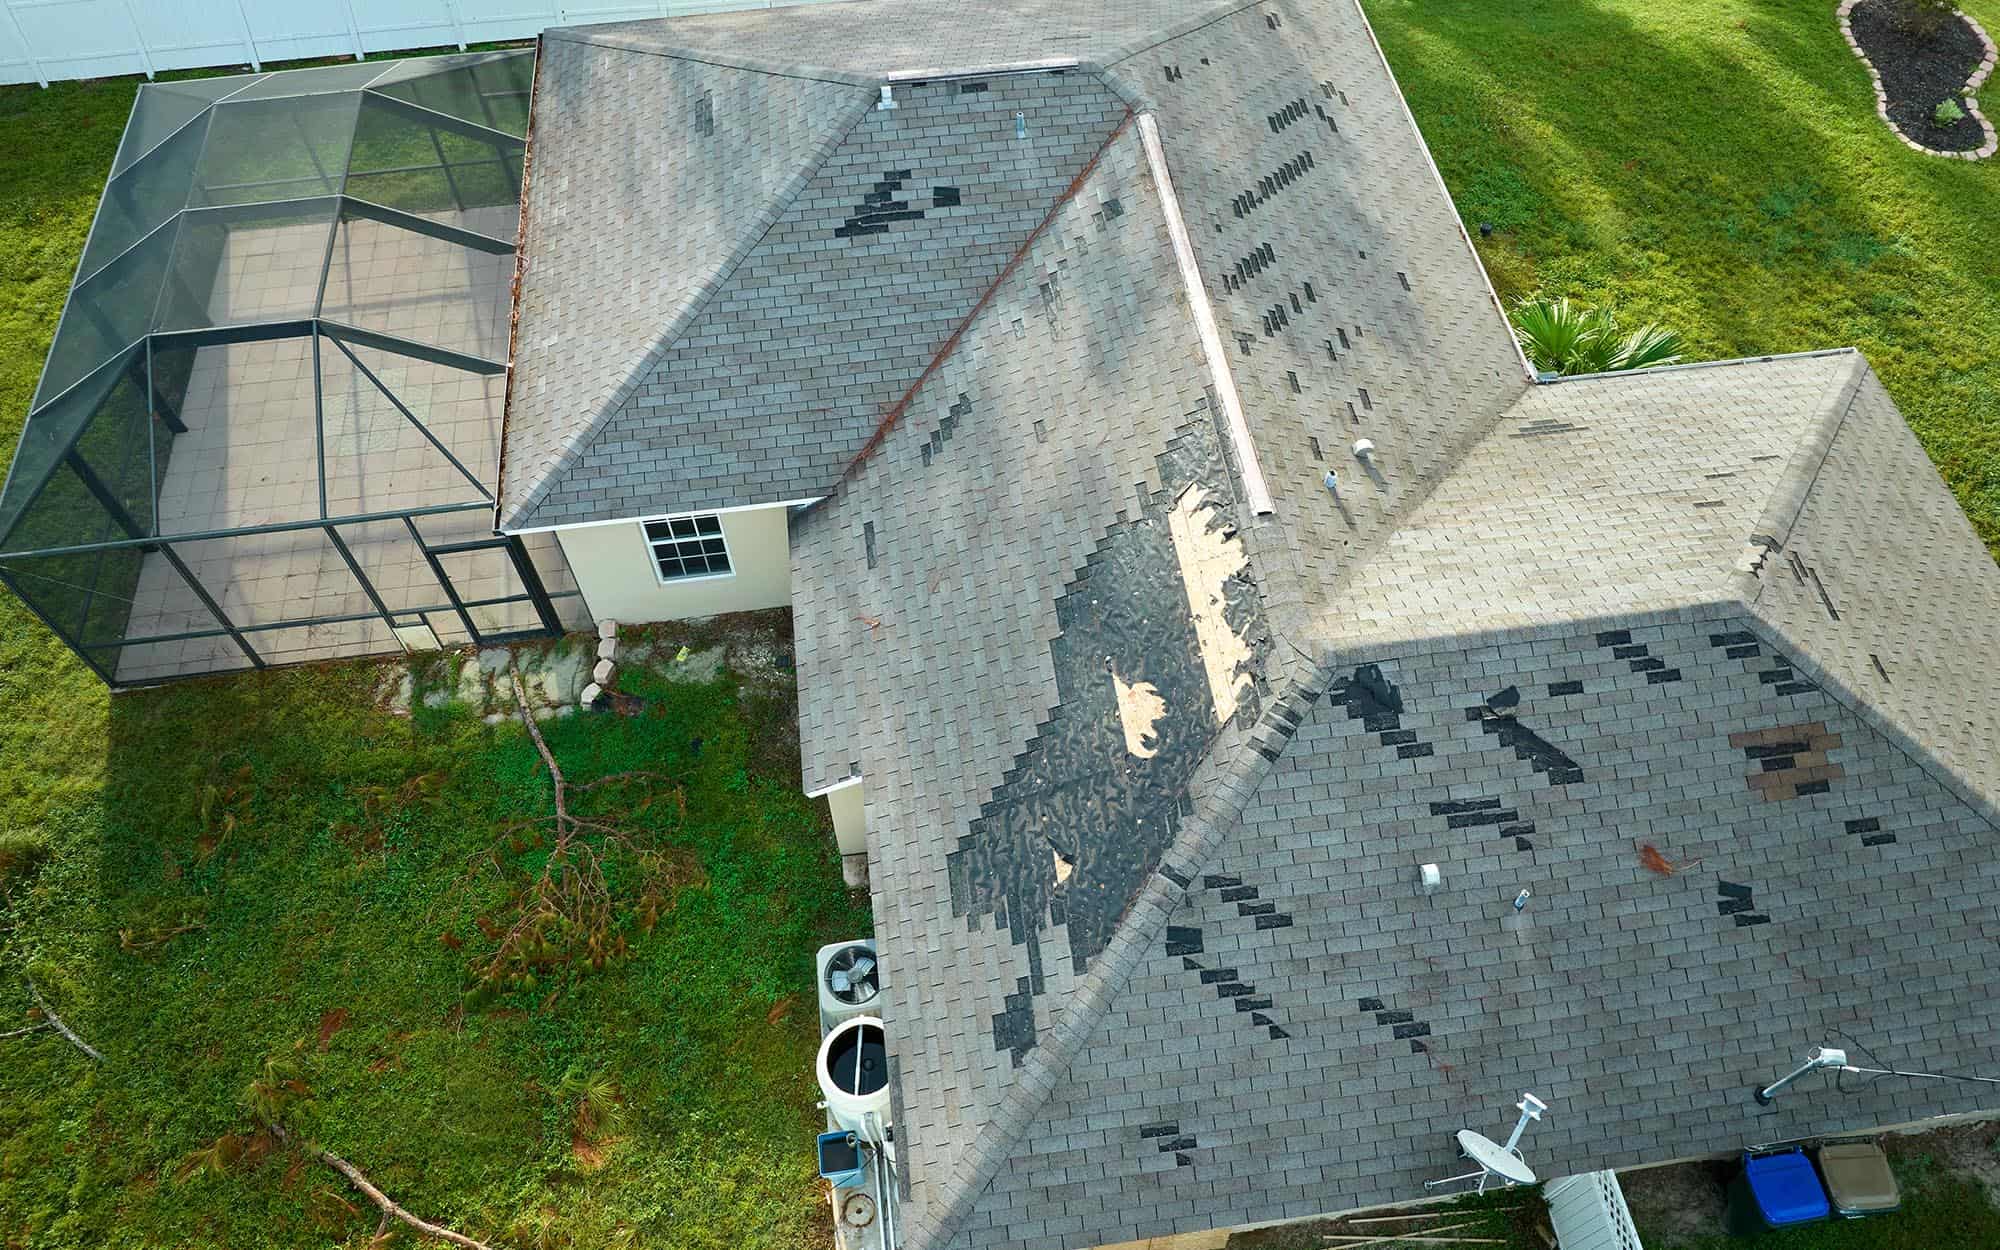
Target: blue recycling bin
point(840, 1160)
point(1776, 1190)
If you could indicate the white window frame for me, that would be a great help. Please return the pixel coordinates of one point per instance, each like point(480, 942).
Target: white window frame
point(652, 553)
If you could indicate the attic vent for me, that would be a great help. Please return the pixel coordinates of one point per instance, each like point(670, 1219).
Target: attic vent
point(704, 114)
point(868, 541)
point(969, 88)
point(1173, 72)
point(1272, 21)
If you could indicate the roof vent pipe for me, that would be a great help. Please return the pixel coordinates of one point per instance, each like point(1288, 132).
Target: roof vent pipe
point(888, 100)
point(1363, 449)
point(1020, 125)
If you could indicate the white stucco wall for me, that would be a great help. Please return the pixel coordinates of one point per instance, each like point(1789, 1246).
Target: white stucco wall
point(615, 571)
point(850, 829)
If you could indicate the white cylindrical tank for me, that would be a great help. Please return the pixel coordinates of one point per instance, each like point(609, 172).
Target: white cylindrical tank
point(853, 1071)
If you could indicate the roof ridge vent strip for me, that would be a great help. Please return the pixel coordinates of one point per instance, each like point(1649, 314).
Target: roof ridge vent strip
point(1255, 491)
point(998, 69)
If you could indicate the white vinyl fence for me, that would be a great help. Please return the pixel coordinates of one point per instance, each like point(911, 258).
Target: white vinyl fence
point(50, 40)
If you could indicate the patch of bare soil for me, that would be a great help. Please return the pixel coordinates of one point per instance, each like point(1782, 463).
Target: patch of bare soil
point(1682, 1201)
point(756, 647)
point(1967, 1149)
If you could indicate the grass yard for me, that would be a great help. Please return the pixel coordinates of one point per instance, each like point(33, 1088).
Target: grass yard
point(338, 935)
point(1718, 165)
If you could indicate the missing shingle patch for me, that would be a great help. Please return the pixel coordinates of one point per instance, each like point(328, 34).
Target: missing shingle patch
point(1789, 761)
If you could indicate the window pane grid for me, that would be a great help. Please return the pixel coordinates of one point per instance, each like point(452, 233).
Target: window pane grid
point(688, 547)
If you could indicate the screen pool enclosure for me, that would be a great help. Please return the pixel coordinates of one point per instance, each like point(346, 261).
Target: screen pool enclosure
point(269, 425)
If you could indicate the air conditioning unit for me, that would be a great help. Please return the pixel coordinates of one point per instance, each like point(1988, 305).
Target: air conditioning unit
point(849, 981)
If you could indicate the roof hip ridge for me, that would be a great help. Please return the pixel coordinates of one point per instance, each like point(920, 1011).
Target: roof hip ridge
point(1801, 472)
point(598, 37)
point(1801, 657)
point(580, 439)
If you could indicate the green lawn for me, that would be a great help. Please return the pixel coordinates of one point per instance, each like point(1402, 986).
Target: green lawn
point(352, 959)
point(1718, 165)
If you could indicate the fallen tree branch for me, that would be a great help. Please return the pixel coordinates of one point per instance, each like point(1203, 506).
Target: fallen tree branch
point(1433, 1235)
point(389, 1207)
point(33, 1028)
point(55, 1021)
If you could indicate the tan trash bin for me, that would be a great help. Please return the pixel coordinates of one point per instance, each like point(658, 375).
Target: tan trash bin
point(1858, 1179)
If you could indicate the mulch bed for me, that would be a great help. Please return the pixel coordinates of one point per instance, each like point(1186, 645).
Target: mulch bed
point(1917, 72)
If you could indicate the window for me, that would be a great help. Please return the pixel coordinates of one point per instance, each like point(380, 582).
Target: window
point(688, 546)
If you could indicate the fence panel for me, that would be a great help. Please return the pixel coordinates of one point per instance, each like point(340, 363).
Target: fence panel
point(53, 40)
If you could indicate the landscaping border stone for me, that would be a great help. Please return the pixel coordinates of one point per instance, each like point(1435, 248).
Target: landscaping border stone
point(1972, 85)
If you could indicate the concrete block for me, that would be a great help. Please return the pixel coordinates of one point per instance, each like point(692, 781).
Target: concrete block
point(602, 673)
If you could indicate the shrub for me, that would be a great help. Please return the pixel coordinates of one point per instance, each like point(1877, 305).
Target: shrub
point(1947, 112)
point(1566, 338)
point(1922, 19)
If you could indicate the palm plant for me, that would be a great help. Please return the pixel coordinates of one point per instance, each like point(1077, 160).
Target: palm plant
point(1565, 338)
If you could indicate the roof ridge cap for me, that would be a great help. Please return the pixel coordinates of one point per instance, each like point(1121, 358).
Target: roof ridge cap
point(679, 322)
point(1688, 366)
point(598, 37)
point(1795, 483)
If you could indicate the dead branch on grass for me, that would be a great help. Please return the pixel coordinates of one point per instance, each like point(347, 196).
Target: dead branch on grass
point(566, 912)
point(55, 1021)
point(389, 1207)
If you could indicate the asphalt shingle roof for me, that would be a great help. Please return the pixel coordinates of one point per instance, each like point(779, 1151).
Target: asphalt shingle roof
point(629, 226)
point(1147, 777)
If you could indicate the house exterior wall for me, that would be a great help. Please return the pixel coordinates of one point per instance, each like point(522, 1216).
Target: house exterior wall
point(850, 824)
point(615, 571)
